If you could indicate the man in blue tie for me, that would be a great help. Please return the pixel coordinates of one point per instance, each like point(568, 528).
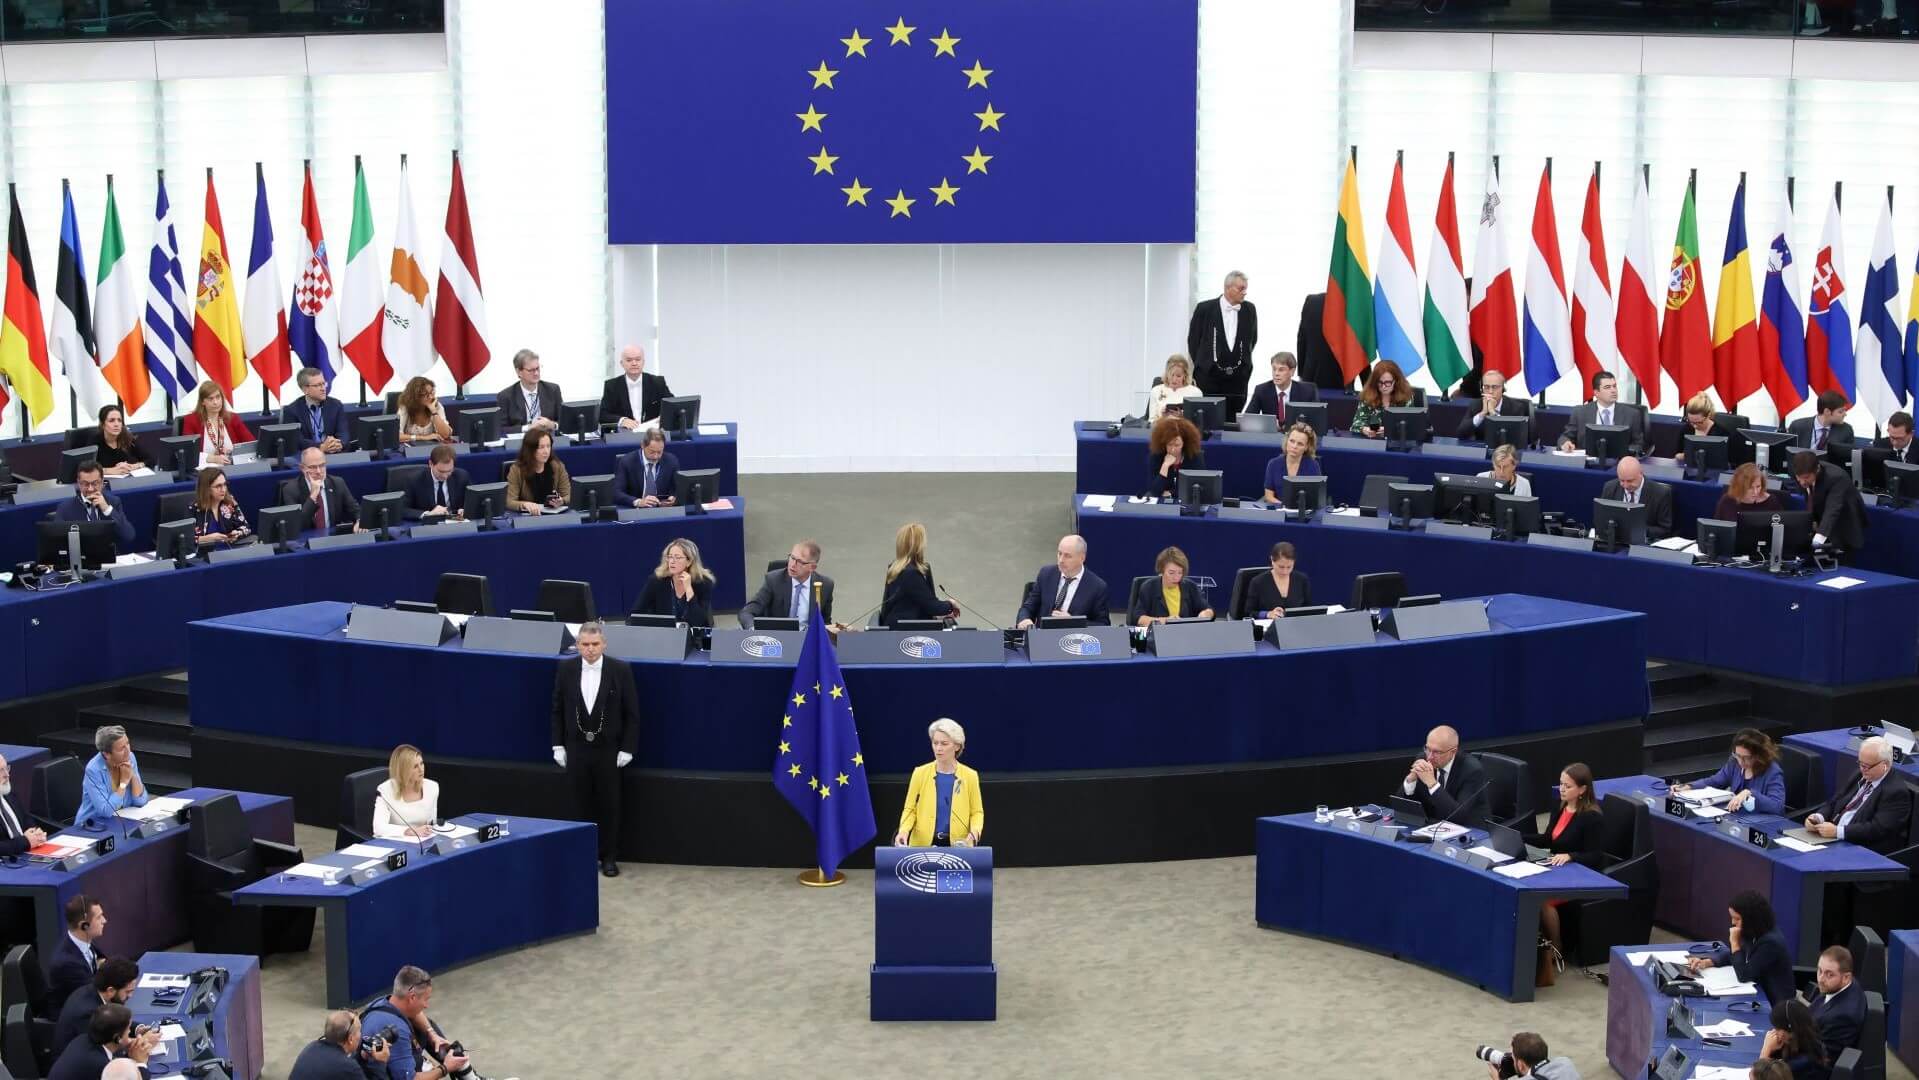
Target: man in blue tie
point(322, 420)
point(91, 502)
point(787, 592)
point(645, 476)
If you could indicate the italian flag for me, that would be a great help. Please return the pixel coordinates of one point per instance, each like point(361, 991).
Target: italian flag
point(363, 294)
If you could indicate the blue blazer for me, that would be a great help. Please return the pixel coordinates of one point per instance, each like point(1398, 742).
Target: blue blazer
point(332, 421)
point(1841, 1019)
point(1768, 788)
point(97, 800)
point(1088, 600)
point(629, 475)
point(1276, 472)
point(67, 969)
point(419, 494)
point(75, 510)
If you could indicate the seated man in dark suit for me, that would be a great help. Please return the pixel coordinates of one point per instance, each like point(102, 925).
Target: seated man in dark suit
point(1873, 809)
point(1839, 1008)
point(328, 505)
point(109, 1036)
point(91, 502)
point(1492, 402)
point(439, 490)
point(1272, 398)
point(633, 398)
point(788, 593)
point(1067, 587)
point(645, 476)
point(74, 958)
point(1631, 486)
point(1838, 513)
point(1827, 429)
point(113, 984)
point(335, 1054)
point(1898, 439)
point(1605, 410)
point(322, 419)
point(529, 401)
point(1446, 783)
point(16, 912)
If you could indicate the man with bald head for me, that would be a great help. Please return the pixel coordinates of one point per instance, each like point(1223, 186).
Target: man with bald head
point(334, 1055)
point(1630, 486)
point(1066, 588)
point(1447, 783)
point(632, 398)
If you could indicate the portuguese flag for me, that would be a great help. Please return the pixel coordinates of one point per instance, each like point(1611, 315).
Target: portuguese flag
point(23, 335)
point(1348, 322)
point(1685, 341)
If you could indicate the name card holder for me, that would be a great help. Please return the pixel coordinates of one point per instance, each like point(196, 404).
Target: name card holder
point(1462, 855)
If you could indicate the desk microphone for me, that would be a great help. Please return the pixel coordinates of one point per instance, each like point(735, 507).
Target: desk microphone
point(859, 623)
point(120, 828)
point(975, 611)
point(396, 813)
point(1457, 807)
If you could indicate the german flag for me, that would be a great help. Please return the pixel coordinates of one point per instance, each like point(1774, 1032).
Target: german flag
point(23, 335)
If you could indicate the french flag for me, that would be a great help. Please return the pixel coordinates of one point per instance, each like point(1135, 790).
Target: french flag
point(1782, 335)
point(313, 318)
point(1548, 322)
point(1829, 328)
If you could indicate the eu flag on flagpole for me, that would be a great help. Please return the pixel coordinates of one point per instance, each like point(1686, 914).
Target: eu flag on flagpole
point(819, 767)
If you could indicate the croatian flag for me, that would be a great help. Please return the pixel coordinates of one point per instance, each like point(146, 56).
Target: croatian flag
point(313, 316)
point(1548, 332)
point(1829, 327)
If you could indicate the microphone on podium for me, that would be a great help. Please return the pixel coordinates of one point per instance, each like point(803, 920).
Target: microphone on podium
point(975, 611)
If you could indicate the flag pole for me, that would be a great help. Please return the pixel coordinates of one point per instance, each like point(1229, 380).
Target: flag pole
point(459, 386)
point(73, 395)
point(816, 877)
point(362, 374)
point(266, 404)
point(1789, 181)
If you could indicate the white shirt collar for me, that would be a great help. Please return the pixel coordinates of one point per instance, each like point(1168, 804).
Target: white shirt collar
point(1228, 305)
point(592, 665)
point(634, 380)
point(85, 949)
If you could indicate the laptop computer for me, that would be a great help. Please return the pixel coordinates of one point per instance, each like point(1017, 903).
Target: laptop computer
point(1505, 840)
point(1807, 836)
point(1265, 422)
point(1406, 811)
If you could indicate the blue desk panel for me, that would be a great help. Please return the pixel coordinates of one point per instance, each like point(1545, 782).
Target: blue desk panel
point(696, 715)
point(1738, 619)
point(235, 1024)
point(109, 630)
point(1321, 880)
point(1835, 754)
point(1636, 1017)
point(538, 883)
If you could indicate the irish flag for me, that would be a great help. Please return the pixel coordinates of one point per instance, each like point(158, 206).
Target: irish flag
point(1348, 322)
point(117, 310)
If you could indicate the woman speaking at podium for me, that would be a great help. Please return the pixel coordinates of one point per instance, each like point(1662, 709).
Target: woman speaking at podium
point(943, 805)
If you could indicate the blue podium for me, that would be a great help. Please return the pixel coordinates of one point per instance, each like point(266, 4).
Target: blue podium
point(933, 934)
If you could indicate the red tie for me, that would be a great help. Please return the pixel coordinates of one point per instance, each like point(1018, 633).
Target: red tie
point(319, 508)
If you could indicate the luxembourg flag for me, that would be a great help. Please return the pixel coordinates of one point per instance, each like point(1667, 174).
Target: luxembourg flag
point(1493, 315)
point(1396, 304)
point(313, 318)
point(1829, 325)
point(1594, 349)
point(1782, 333)
point(1548, 333)
point(1880, 364)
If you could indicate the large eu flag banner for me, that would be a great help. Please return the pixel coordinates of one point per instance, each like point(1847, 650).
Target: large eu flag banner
point(818, 767)
point(900, 121)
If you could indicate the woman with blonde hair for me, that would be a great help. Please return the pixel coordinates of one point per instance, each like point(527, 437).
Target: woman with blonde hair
point(408, 803)
point(1175, 388)
point(680, 586)
point(909, 591)
point(943, 805)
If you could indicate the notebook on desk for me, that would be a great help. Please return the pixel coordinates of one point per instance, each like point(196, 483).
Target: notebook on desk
point(1807, 836)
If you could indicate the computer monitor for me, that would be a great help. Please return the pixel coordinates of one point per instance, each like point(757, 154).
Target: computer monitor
point(680, 415)
point(377, 434)
point(1062, 622)
point(1706, 455)
point(661, 622)
point(770, 622)
point(1716, 539)
point(1607, 442)
point(1310, 413)
point(175, 540)
point(1755, 532)
point(1406, 811)
point(1778, 449)
point(1372, 494)
point(477, 427)
point(1516, 516)
point(276, 441)
point(1208, 414)
point(71, 460)
point(594, 495)
point(578, 418)
point(1407, 502)
point(1513, 431)
point(181, 453)
point(382, 509)
point(278, 525)
point(418, 607)
point(1867, 464)
point(1406, 426)
point(1618, 524)
point(1457, 497)
point(1199, 489)
point(1902, 483)
point(484, 502)
point(693, 488)
point(1306, 494)
point(95, 539)
point(530, 615)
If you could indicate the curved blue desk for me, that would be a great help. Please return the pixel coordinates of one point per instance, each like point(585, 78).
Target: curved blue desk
point(1902, 999)
point(1020, 716)
point(1636, 1029)
point(1738, 619)
point(236, 1022)
point(109, 630)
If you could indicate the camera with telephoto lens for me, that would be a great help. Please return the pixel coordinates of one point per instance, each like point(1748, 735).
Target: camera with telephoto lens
point(1497, 1058)
point(372, 1044)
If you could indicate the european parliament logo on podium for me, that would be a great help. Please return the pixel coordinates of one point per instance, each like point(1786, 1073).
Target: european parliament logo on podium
point(935, 872)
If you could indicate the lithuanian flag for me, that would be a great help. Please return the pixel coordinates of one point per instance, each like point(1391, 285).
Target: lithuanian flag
point(1348, 322)
point(23, 335)
point(217, 342)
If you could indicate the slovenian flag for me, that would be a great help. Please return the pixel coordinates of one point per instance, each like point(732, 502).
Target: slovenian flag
point(1829, 323)
point(1881, 363)
point(1735, 333)
point(1494, 314)
point(1548, 336)
point(1782, 329)
point(1593, 347)
point(313, 318)
point(1396, 304)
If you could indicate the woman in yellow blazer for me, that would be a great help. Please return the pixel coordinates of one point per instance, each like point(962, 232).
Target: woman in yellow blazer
point(943, 784)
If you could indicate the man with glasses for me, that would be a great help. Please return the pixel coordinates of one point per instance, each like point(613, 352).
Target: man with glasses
point(1446, 783)
point(788, 593)
point(1873, 809)
point(322, 419)
point(92, 502)
point(1492, 402)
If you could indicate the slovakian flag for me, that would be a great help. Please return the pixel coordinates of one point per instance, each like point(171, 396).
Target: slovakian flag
point(1782, 329)
point(71, 338)
point(1548, 319)
point(459, 308)
point(313, 317)
point(406, 338)
point(1593, 345)
point(1880, 352)
point(363, 293)
point(1828, 314)
point(1396, 303)
point(168, 333)
point(1494, 317)
point(1348, 319)
point(1449, 346)
point(1685, 342)
point(23, 331)
point(1636, 325)
point(1735, 324)
point(116, 315)
point(264, 319)
point(218, 342)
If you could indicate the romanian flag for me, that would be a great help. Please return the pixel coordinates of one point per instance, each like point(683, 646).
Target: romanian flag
point(1685, 342)
point(1348, 323)
point(1735, 322)
point(23, 335)
point(217, 342)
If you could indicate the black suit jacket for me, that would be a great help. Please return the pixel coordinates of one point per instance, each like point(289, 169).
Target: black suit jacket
point(1909, 456)
point(15, 845)
point(73, 1016)
point(1624, 414)
point(420, 494)
point(1151, 601)
point(1316, 359)
point(1841, 434)
point(911, 596)
point(1840, 1019)
point(82, 1060)
point(1265, 397)
point(1219, 368)
point(75, 510)
point(513, 404)
point(775, 599)
point(1465, 780)
point(1584, 838)
point(1838, 513)
point(322, 1060)
point(1766, 963)
point(629, 476)
point(67, 969)
point(1089, 599)
point(1262, 595)
point(1883, 822)
point(616, 405)
point(617, 705)
point(1658, 499)
point(332, 420)
point(1508, 406)
point(657, 598)
point(342, 508)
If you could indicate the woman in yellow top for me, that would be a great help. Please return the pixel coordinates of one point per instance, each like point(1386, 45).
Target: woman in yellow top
point(1171, 596)
point(943, 801)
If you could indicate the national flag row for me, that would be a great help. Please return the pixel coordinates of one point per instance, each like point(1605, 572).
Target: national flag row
point(1547, 331)
point(383, 320)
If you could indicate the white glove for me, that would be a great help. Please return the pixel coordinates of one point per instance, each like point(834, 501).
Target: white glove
point(559, 756)
point(1819, 539)
point(624, 759)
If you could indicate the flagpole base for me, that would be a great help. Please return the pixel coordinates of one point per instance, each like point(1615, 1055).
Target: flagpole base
point(815, 879)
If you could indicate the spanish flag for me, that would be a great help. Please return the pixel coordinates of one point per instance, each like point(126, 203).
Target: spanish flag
point(217, 342)
point(1735, 323)
point(1348, 321)
point(23, 334)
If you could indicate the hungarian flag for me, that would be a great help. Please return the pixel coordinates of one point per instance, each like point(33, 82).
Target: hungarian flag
point(265, 319)
point(218, 343)
point(71, 339)
point(1685, 343)
point(1735, 324)
point(459, 309)
point(1593, 347)
point(313, 323)
point(1348, 321)
point(1495, 311)
point(362, 293)
point(1782, 329)
point(1449, 347)
point(23, 334)
point(406, 339)
point(1636, 325)
point(116, 315)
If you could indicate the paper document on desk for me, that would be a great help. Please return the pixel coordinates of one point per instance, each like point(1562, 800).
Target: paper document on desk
point(1494, 854)
point(1793, 844)
point(327, 874)
point(1441, 830)
point(1709, 813)
point(1344, 511)
point(1518, 870)
point(1677, 543)
point(714, 429)
point(1721, 1072)
point(65, 844)
point(157, 981)
point(131, 558)
point(1704, 795)
point(140, 470)
point(366, 851)
point(1099, 502)
point(455, 832)
point(1727, 1029)
point(1841, 582)
point(1670, 956)
point(163, 807)
point(1722, 980)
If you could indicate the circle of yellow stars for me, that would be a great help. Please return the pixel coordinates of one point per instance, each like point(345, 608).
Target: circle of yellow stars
point(899, 34)
point(823, 787)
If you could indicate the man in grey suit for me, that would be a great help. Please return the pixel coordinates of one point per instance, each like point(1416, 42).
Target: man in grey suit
point(788, 593)
point(1606, 410)
point(530, 402)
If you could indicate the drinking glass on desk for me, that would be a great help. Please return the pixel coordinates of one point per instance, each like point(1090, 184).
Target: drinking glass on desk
point(501, 822)
point(1321, 814)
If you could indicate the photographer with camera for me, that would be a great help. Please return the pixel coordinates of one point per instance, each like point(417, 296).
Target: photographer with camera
point(339, 1051)
point(416, 1049)
point(1528, 1057)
